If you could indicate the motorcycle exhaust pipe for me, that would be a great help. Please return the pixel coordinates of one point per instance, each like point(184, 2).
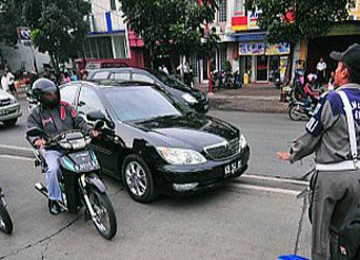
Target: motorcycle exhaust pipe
point(40, 187)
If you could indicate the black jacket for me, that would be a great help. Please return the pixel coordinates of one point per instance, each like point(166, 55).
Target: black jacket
point(55, 120)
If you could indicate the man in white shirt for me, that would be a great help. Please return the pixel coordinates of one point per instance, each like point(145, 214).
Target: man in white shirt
point(4, 82)
point(321, 71)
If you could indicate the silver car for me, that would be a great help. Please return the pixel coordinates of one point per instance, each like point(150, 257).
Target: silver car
point(9, 109)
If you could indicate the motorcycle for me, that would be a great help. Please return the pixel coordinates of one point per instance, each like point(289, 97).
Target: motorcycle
point(6, 224)
point(300, 110)
point(80, 183)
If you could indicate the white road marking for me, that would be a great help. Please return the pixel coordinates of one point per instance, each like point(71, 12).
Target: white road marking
point(16, 157)
point(268, 178)
point(267, 189)
point(15, 147)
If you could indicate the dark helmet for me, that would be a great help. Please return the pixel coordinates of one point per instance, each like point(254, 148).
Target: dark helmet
point(46, 92)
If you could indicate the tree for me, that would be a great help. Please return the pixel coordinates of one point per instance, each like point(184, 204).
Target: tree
point(58, 26)
point(10, 10)
point(172, 27)
point(293, 20)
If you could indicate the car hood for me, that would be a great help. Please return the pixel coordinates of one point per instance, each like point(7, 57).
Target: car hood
point(5, 95)
point(195, 131)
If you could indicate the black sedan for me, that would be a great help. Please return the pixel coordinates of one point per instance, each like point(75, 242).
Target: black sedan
point(191, 96)
point(156, 144)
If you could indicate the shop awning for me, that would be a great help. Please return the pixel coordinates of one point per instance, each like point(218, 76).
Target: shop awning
point(248, 36)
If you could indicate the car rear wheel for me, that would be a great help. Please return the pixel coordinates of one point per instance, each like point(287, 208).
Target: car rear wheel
point(10, 122)
point(138, 179)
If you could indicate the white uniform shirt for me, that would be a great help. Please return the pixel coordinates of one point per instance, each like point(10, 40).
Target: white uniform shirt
point(4, 83)
point(321, 66)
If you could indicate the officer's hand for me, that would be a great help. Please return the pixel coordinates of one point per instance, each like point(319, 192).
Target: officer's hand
point(283, 155)
point(40, 143)
point(94, 133)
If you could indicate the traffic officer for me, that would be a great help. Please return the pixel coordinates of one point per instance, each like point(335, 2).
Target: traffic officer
point(335, 184)
point(53, 117)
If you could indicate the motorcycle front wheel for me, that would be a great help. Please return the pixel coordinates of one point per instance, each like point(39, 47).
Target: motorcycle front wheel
point(105, 220)
point(294, 113)
point(6, 224)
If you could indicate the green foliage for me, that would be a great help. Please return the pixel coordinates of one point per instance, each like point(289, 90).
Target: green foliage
point(313, 18)
point(10, 18)
point(172, 27)
point(58, 26)
point(227, 66)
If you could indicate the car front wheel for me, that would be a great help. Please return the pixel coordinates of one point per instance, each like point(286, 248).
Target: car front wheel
point(138, 179)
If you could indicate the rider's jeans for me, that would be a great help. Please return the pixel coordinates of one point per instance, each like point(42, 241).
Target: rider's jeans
point(52, 173)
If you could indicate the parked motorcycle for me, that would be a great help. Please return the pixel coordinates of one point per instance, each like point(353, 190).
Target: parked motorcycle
point(275, 78)
point(300, 110)
point(80, 182)
point(6, 224)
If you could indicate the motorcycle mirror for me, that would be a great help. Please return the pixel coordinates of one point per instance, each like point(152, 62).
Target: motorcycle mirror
point(95, 116)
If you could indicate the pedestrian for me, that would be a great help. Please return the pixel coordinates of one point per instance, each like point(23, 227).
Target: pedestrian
point(331, 81)
point(335, 184)
point(321, 72)
point(7, 82)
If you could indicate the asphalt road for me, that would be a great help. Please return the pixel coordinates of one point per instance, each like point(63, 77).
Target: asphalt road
point(266, 134)
point(233, 222)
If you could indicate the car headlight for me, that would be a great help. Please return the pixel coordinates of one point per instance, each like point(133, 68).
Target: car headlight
point(189, 98)
point(13, 100)
point(242, 141)
point(180, 156)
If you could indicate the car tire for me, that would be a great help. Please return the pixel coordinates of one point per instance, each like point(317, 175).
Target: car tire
point(10, 122)
point(138, 180)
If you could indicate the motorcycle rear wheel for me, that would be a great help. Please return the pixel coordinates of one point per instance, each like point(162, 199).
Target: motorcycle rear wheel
point(105, 221)
point(294, 114)
point(6, 224)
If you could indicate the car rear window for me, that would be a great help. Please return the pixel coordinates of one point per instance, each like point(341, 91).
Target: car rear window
point(140, 103)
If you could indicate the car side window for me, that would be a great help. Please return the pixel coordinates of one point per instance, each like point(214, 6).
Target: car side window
point(89, 101)
point(143, 78)
point(68, 93)
point(120, 76)
point(101, 75)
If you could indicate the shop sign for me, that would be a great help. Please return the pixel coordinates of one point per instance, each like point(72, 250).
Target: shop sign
point(239, 23)
point(253, 17)
point(258, 48)
point(24, 35)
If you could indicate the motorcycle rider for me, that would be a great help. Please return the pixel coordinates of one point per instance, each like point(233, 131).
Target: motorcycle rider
point(53, 117)
point(335, 185)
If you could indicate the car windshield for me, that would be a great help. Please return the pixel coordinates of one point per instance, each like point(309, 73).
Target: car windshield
point(168, 80)
point(141, 103)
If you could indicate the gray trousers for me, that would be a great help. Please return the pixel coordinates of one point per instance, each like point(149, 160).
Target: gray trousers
point(334, 194)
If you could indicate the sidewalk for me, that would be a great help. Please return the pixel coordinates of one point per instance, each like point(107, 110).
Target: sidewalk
point(252, 98)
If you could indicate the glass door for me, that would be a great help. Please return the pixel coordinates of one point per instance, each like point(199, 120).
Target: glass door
point(262, 68)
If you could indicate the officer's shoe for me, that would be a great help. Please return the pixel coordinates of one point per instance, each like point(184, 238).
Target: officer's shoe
point(54, 207)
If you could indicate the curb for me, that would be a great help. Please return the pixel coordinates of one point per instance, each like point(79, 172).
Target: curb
point(16, 151)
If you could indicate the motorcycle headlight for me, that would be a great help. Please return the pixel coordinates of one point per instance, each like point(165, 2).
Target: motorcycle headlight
point(189, 98)
point(242, 141)
point(180, 156)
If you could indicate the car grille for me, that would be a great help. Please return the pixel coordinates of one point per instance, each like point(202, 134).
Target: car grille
point(223, 150)
point(5, 102)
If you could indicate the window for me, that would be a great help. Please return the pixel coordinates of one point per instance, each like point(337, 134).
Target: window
point(101, 75)
point(68, 93)
point(222, 11)
point(121, 76)
point(112, 5)
point(89, 101)
point(98, 47)
point(143, 78)
point(222, 55)
point(240, 8)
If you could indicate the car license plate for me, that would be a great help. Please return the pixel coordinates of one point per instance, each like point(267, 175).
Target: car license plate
point(232, 168)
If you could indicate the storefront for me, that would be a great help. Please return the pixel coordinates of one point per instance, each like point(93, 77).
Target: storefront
point(259, 59)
